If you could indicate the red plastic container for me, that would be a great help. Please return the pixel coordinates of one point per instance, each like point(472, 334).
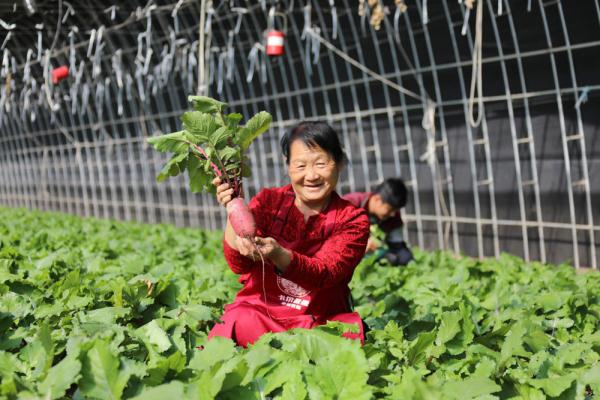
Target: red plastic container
point(275, 43)
point(60, 73)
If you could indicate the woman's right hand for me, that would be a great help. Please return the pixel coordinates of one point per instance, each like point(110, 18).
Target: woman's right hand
point(246, 248)
point(224, 192)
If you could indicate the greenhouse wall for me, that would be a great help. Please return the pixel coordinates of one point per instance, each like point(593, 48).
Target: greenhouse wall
point(523, 181)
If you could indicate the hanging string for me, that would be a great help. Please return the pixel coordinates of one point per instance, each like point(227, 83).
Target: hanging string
point(363, 68)
point(476, 75)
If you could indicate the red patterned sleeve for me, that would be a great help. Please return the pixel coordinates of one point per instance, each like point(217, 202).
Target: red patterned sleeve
point(238, 263)
point(334, 263)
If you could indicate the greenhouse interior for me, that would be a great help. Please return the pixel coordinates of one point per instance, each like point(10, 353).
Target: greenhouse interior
point(282, 199)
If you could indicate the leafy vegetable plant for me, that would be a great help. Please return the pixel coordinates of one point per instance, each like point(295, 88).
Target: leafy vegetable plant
point(211, 144)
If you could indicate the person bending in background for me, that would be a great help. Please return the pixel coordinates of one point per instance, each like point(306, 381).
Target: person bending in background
point(383, 207)
point(310, 238)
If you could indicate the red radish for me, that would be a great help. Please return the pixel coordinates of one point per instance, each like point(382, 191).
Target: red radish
point(243, 224)
point(241, 218)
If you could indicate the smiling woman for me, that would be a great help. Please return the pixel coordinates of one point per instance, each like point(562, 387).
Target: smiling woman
point(310, 238)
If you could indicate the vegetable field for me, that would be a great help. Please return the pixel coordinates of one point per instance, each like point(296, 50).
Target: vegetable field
point(106, 310)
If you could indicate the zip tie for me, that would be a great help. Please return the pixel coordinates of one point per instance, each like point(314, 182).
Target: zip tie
point(230, 54)
point(220, 73)
point(128, 83)
point(425, 13)
point(307, 22)
point(465, 26)
point(5, 63)
point(428, 122)
point(334, 21)
point(315, 45)
point(209, 15)
point(151, 84)
point(7, 26)
point(140, 47)
point(238, 23)
point(113, 12)
point(73, 93)
point(99, 34)
point(116, 64)
point(307, 63)
point(252, 58)
point(120, 102)
point(27, 68)
point(85, 97)
point(397, 14)
point(263, 68)
point(97, 62)
point(499, 7)
point(72, 60)
point(148, 32)
point(147, 61)
point(8, 36)
point(70, 11)
point(363, 19)
point(192, 62)
point(39, 45)
point(172, 42)
point(174, 15)
point(91, 45)
point(583, 97)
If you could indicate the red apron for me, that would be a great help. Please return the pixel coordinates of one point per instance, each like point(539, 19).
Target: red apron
point(287, 305)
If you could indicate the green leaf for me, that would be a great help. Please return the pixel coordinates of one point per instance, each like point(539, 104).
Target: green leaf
point(174, 167)
point(198, 312)
point(102, 377)
point(61, 377)
point(173, 390)
point(215, 351)
point(175, 142)
point(470, 387)
point(229, 154)
point(555, 385)
point(418, 348)
point(220, 137)
point(513, 344)
point(449, 326)
point(233, 120)
point(200, 125)
point(255, 126)
point(152, 333)
point(206, 104)
point(199, 178)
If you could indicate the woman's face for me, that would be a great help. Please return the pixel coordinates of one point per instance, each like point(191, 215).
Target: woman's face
point(313, 173)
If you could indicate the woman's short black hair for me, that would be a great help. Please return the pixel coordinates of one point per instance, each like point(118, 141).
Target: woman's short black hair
point(314, 133)
point(393, 191)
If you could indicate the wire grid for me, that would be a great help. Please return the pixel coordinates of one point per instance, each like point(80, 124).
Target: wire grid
point(520, 182)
